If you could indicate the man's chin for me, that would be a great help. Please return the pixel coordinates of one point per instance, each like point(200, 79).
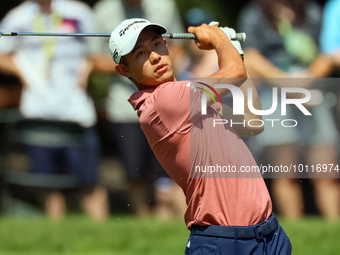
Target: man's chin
point(160, 81)
point(167, 78)
point(157, 81)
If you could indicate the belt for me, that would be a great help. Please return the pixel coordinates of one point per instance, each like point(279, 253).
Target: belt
point(257, 231)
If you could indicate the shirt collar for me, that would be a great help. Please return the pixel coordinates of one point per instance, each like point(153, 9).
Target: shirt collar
point(139, 97)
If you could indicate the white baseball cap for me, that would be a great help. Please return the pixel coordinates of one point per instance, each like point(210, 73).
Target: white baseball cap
point(124, 37)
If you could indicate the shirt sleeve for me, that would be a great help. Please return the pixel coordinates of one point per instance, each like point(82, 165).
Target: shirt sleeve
point(172, 104)
point(330, 33)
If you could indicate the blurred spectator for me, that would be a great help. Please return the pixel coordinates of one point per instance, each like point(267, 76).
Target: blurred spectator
point(281, 42)
point(330, 33)
point(139, 162)
point(54, 72)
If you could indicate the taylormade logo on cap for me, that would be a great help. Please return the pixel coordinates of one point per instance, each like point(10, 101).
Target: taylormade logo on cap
point(122, 32)
point(124, 37)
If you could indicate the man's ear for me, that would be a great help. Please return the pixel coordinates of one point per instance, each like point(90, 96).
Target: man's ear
point(165, 42)
point(123, 70)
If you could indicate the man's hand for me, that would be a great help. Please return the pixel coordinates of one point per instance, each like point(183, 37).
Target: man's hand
point(231, 33)
point(202, 31)
point(208, 36)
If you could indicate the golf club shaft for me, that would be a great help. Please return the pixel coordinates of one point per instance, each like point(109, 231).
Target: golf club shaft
point(239, 36)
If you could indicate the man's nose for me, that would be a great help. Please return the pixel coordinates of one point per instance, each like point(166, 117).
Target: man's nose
point(154, 57)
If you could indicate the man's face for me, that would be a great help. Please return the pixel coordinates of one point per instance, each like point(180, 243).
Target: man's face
point(149, 63)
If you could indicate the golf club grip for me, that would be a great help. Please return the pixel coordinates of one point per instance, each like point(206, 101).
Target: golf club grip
point(241, 37)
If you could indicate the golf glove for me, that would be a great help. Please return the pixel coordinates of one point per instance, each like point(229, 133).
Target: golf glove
point(231, 33)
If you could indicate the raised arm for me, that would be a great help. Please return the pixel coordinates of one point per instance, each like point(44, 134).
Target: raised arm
point(231, 71)
point(231, 67)
point(229, 60)
point(246, 130)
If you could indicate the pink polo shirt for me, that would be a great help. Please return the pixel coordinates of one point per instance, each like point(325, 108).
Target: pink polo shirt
point(184, 141)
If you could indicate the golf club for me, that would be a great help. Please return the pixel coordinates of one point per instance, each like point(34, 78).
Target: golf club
point(241, 37)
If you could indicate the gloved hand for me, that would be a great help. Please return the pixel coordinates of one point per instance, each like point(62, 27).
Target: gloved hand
point(231, 33)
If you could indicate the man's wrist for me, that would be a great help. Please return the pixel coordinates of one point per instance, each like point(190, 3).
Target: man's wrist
point(221, 41)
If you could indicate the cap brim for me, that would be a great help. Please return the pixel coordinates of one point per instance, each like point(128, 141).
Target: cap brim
point(157, 28)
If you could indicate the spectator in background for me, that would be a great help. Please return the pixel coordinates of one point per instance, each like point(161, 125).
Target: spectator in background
point(281, 42)
point(139, 162)
point(330, 33)
point(330, 41)
point(54, 72)
point(196, 63)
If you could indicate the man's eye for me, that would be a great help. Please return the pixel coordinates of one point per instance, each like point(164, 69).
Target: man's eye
point(140, 53)
point(157, 43)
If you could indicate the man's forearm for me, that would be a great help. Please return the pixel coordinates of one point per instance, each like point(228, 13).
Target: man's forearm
point(231, 66)
point(248, 130)
point(229, 61)
point(248, 116)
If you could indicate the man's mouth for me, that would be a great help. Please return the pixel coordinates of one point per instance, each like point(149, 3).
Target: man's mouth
point(161, 68)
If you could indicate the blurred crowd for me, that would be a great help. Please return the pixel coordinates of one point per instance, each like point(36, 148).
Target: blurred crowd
point(286, 39)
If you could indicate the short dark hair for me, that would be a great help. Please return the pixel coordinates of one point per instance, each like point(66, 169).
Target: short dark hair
point(123, 61)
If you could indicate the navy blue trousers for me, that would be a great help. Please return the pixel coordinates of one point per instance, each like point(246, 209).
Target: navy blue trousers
point(275, 243)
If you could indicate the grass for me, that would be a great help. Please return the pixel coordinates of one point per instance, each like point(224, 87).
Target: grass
point(78, 235)
point(127, 236)
point(313, 235)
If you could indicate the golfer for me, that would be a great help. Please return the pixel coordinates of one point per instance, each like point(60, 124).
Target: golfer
point(225, 215)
